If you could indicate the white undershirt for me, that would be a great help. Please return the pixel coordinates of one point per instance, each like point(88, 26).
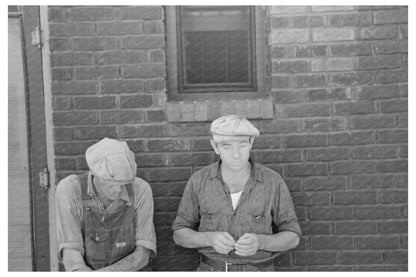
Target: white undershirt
point(235, 197)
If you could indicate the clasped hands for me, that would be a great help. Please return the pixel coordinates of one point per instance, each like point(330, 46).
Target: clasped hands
point(223, 243)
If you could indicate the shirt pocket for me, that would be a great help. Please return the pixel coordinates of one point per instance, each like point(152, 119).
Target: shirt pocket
point(209, 222)
point(96, 247)
point(260, 224)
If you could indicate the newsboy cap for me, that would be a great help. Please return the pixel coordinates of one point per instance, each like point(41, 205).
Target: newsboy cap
point(233, 125)
point(112, 160)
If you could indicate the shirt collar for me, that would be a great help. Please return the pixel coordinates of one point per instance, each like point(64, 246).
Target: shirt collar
point(215, 171)
point(92, 192)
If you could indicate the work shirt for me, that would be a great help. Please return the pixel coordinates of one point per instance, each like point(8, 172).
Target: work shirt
point(70, 213)
point(265, 207)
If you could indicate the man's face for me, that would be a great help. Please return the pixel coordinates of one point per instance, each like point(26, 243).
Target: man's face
point(234, 152)
point(107, 189)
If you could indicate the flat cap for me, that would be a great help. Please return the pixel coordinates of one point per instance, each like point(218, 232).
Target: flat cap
point(233, 125)
point(112, 160)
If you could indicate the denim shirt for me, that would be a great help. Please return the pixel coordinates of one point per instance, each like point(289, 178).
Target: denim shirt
point(265, 207)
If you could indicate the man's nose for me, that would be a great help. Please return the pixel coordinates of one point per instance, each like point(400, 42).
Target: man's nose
point(117, 188)
point(236, 152)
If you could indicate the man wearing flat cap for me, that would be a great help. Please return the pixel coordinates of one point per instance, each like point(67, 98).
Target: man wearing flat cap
point(105, 216)
point(239, 214)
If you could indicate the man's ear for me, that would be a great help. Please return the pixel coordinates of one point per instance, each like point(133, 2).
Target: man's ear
point(214, 146)
point(251, 141)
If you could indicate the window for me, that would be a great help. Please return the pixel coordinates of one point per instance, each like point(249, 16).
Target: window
point(215, 52)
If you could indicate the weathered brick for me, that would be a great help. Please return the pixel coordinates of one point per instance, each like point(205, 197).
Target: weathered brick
point(353, 167)
point(62, 134)
point(391, 47)
point(169, 174)
point(121, 57)
point(390, 16)
point(279, 22)
point(293, 66)
point(323, 183)
point(352, 138)
point(378, 212)
point(374, 152)
point(94, 44)
point(142, 71)
point(71, 59)
point(200, 144)
point(267, 142)
point(156, 85)
point(353, 78)
point(71, 29)
point(308, 21)
point(393, 227)
point(121, 116)
point(402, 121)
point(74, 118)
point(352, 19)
point(187, 111)
point(98, 72)
point(332, 242)
point(361, 257)
point(62, 103)
point(136, 145)
point(355, 227)
point(191, 159)
point(308, 110)
point(327, 154)
point(315, 257)
point(379, 62)
point(176, 188)
point(157, 56)
point(74, 87)
point(351, 50)
point(372, 121)
point(167, 145)
point(396, 257)
point(293, 184)
point(305, 140)
point(62, 74)
point(278, 156)
point(323, 8)
point(141, 13)
point(60, 44)
point(394, 196)
point(142, 131)
point(307, 169)
point(93, 14)
point(287, 9)
point(403, 151)
point(391, 76)
point(119, 28)
point(189, 129)
point(404, 31)
point(395, 136)
point(93, 132)
point(289, 36)
point(281, 52)
point(71, 148)
point(315, 228)
point(150, 160)
point(95, 102)
point(332, 64)
point(156, 115)
point(64, 164)
point(356, 107)
point(323, 124)
point(121, 86)
point(327, 94)
point(332, 34)
point(354, 197)
point(371, 181)
point(379, 92)
point(311, 81)
point(136, 101)
point(392, 166)
point(310, 51)
point(142, 42)
point(331, 213)
point(377, 32)
point(154, 27)
point(287, 96)
point(57, 14)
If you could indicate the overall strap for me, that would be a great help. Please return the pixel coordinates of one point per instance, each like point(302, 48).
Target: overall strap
point(83, 180)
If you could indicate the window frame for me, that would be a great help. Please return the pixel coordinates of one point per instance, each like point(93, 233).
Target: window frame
point(173, 62)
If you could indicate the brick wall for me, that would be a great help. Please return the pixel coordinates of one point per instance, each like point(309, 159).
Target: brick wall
point(338, 136)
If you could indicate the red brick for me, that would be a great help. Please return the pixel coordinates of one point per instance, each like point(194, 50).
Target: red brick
point(191, 159)
point(90, 103)
point(402, 121)
point(315, 228)
point(71, 148)
point(92, 132)
point(332, 34)
point(150, 160)
point(353, 78)
point(169, 174)
point(189, 129)
point(119, 28)
point(201, 144)
point(355, 227)
point(291, 66)
point(307, 169)
point(176, 188)
point(378, 212)
point(374, 152)
point(396, 257)
point(277, 156)
point(136, 101)
point(377, 32)
point(372, 121)
point(311, 81)
point(142, 131)
point(378, 242)
point(315, 258)
point(327, 94)
point(142, 42)
point(91, 73)
point(142, 71)
point(62, 103)
point(267, 142)
point(361, 257)
point(331, 213)
point(327, 154)
point(121, 116)
point(332, 64)
point(159, 189)
point(136, 145)
point(74, 118)
point(121, 86)
point(353, 167)
point(356, 107)
point(352, 19)
point(354, 197)
point(62, 134)
point(332, 242)
point(352, 138)
point(308, 110)
point(305, 140)
point(64, 164)
point(379, 62)
point(323, 183)
point(157, 56)
point(74, 87)
point(311, 198)
point(323, 8)
point(371, 181)
point(393, 106)
point(310, 51)
point(390, 16)
point(58, 14)
point(156, 115)
point(59, 45)
point(401, 181)
point(293, 184)
point(141, 13)
point(308, 22)
point(166, 203)
point(289, 36)
point(391, 47)
point(393, 227)
point(279, 22)
point(93, 14)
point(378, 92)
point(396, 136)
point(154, 27)
point(391, 76)
point(71, 29)
point(121, 57)
point(394, 196)
point(94, 44)
point(392, 166)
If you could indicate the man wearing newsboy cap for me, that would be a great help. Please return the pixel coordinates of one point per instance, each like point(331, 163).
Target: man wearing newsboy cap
point(239, 214)
point(105, 216)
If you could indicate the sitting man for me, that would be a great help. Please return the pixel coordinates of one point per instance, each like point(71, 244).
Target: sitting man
point(105, 216)
point(244, 210)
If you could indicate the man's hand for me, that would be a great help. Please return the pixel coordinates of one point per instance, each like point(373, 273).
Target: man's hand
point(247, 245)
point(222, 242)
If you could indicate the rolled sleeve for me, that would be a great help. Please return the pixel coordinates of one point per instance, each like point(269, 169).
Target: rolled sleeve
point(188, 210)
point(145, 230)
point(284, 212)
point(69, 215)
